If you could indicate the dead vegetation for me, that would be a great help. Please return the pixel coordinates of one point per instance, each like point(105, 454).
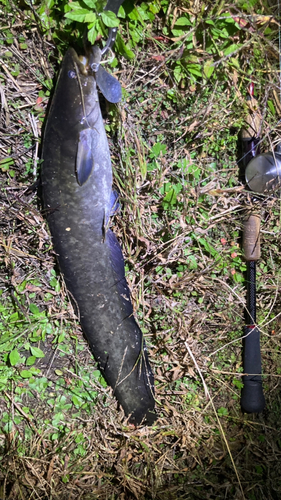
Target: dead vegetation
point(201, 447)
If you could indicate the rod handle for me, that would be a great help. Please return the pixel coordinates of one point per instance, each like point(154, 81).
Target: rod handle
point(252, 397)
point(251, 237)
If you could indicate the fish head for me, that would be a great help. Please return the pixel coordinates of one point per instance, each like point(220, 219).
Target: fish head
point(76, 92)
point(75, 130)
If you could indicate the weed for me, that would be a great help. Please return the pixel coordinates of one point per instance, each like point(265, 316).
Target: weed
point(185, 69)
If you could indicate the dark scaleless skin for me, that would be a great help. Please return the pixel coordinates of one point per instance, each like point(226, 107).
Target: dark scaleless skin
point(90, 258)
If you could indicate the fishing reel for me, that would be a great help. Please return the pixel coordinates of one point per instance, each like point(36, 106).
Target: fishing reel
point(263, 172)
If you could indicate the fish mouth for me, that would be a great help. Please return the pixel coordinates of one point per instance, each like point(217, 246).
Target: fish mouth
point(89, 64)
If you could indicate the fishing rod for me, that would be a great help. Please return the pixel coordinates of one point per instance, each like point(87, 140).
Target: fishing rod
point(263, 175)
point(113, 6)
point(252, 398)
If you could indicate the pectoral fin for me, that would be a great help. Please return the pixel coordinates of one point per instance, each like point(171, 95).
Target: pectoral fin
point(85, 155)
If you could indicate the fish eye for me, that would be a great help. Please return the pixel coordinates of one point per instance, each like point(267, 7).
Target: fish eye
point(72, 74)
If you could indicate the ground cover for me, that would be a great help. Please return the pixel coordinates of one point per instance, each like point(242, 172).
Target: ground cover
point(185, 68)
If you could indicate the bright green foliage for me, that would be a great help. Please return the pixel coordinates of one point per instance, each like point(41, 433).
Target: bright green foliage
point(211, 30)
point(222, 412)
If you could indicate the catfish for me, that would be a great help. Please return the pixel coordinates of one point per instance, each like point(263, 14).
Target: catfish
point(77, 197)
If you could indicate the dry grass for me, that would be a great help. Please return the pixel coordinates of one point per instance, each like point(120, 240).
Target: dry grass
point(192, 317)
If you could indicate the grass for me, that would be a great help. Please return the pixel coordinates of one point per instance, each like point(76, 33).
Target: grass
point(174, 150)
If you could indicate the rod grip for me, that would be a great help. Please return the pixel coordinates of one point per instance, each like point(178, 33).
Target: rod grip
point(252, 398)
point(251, 237)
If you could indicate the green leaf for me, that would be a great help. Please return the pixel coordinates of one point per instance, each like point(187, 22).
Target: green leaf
point(92, 4)
point(178, 32)
point(219, 33)
point(191, 260)
point(8, 427)
point(103, 382)
point(3, 382)
point(156, 149)
point(234, 61)
point(35, 338)
point(90, 17)
point(259, 469)
point(22, 285)
point(92, 34)
point(59, 417)
point(77, 401)
point(194, 69)
point(133, 14)
point(109, 18)
point(61, 337)
point(209, 248)
point(194, 170)
point(121, 12)
point(34, 371)
point(30, 360)
point(26, 374)
point(136, 34)
point(227, 18)
point(222, 411)
point(231, 48)
point(55, 284)
point(208, 68)
point(178, 71)
point(14, 357)
point(154, 7)
point(14, 317)
point(9, 40)
point(238, 383)
point(34, 309)
point(6, 163)
point(96, 374)
point(77, 15)
point(123, 49)
point(170, 198)
point(183, 21)
point(271, 107)
point(35, 351)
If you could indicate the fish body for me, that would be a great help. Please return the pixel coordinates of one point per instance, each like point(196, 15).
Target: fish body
point(77, 197)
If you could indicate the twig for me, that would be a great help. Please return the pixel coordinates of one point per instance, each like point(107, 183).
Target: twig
point(20, 410)
point(217, 417)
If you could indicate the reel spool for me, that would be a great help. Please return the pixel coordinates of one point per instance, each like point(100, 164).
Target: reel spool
point(263, 173)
